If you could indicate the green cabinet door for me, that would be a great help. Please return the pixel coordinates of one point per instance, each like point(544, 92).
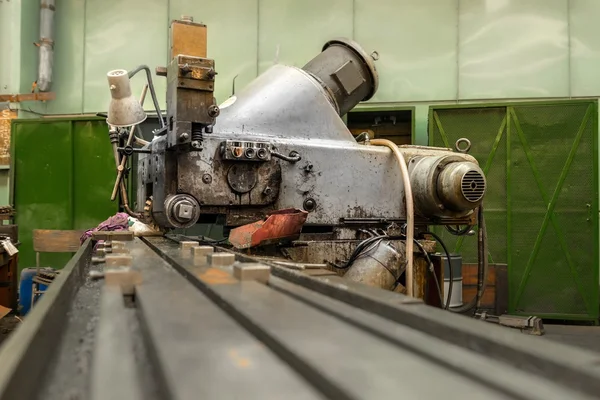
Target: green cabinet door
point(63, 174)
point(541, 207)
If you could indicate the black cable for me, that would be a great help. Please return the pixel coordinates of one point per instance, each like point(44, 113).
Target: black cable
point(432, 270)
point(360, 248)
point(357, 250)
point(482, 270)
point(441, 242)
point(28, 109)
point(457, 232)
point(152, 91)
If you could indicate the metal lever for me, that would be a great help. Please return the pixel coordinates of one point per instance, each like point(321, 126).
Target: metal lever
point(129, 150)
point(293, 157)
point(121, 164)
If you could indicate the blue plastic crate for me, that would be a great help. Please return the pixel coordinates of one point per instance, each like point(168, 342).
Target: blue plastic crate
point(25, 287)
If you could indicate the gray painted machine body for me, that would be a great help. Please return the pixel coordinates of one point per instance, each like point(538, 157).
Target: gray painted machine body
point(288, 111)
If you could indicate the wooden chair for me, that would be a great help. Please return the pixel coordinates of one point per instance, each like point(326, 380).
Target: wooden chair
point(51, 241)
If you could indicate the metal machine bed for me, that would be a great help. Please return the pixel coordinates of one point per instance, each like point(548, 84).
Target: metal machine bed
point(191, 330)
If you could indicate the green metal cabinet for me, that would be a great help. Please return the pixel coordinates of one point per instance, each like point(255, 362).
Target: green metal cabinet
point(63, 173)
point(541, 208)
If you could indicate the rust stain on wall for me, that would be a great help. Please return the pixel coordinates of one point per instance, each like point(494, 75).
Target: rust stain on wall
point(5, 118)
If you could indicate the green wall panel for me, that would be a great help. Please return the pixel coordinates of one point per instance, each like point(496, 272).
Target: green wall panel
point(541, 163)
point(122, 35)
point(63, 174)
point(93, 176)
point(431, 50)
point(584, 31)
point(416, 42)
point(232, 38)
point(43, 171)
point(513, 48)
point(9, 46)
point(284, 38)
point(69, 56)
point(4, 187)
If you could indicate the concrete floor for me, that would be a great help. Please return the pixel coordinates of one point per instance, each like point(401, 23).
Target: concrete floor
point(586, 337)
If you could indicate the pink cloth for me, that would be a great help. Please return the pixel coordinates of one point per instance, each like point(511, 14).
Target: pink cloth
point(118, 222)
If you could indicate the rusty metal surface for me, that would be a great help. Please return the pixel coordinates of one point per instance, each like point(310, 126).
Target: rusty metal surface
point(5, 122)
point(17, 98)
point(263, 191)
point(279, 225)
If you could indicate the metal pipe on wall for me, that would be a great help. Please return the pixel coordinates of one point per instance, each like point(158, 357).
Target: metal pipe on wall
point(46, 45)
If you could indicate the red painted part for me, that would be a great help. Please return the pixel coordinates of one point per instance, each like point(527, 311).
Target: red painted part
point(280, 224)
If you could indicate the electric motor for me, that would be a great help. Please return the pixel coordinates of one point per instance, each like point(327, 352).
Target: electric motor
point(446, 186)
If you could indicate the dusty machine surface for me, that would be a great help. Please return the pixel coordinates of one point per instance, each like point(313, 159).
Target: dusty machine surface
point(166, 318)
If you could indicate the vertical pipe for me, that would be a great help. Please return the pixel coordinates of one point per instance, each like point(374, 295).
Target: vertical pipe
point(46, 45)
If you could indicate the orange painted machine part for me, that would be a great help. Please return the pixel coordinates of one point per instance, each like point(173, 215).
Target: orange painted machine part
point(279, 225)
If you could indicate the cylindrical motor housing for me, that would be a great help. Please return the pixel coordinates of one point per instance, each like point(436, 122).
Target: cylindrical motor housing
point(346, 72)
point(461, 186)
point(446, 186)
point(378, 266)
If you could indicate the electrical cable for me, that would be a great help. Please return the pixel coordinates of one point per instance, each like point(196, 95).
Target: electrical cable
point(441, 242)
point(28, 109)
point(360, 248)
point(432, 270)
point(483, 266)
point(483, 261)
point(152, 91)
point(363, 246)
point(459, 232)
point(410, 213)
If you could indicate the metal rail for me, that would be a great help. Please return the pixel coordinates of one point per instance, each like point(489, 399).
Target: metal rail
point(193, 331)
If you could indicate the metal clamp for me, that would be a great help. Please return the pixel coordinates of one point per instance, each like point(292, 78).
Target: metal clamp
point(461, 149)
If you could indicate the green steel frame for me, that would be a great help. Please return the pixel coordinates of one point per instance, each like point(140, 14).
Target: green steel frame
point(513, 127)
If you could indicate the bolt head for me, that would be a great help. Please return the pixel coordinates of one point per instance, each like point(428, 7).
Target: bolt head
point(213, 111)
point(309, 204)
point(267, 191)
point(206, 178)
point(184, 211)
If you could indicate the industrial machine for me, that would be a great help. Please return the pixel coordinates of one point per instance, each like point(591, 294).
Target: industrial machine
point(280, 150)
point(292, 305)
